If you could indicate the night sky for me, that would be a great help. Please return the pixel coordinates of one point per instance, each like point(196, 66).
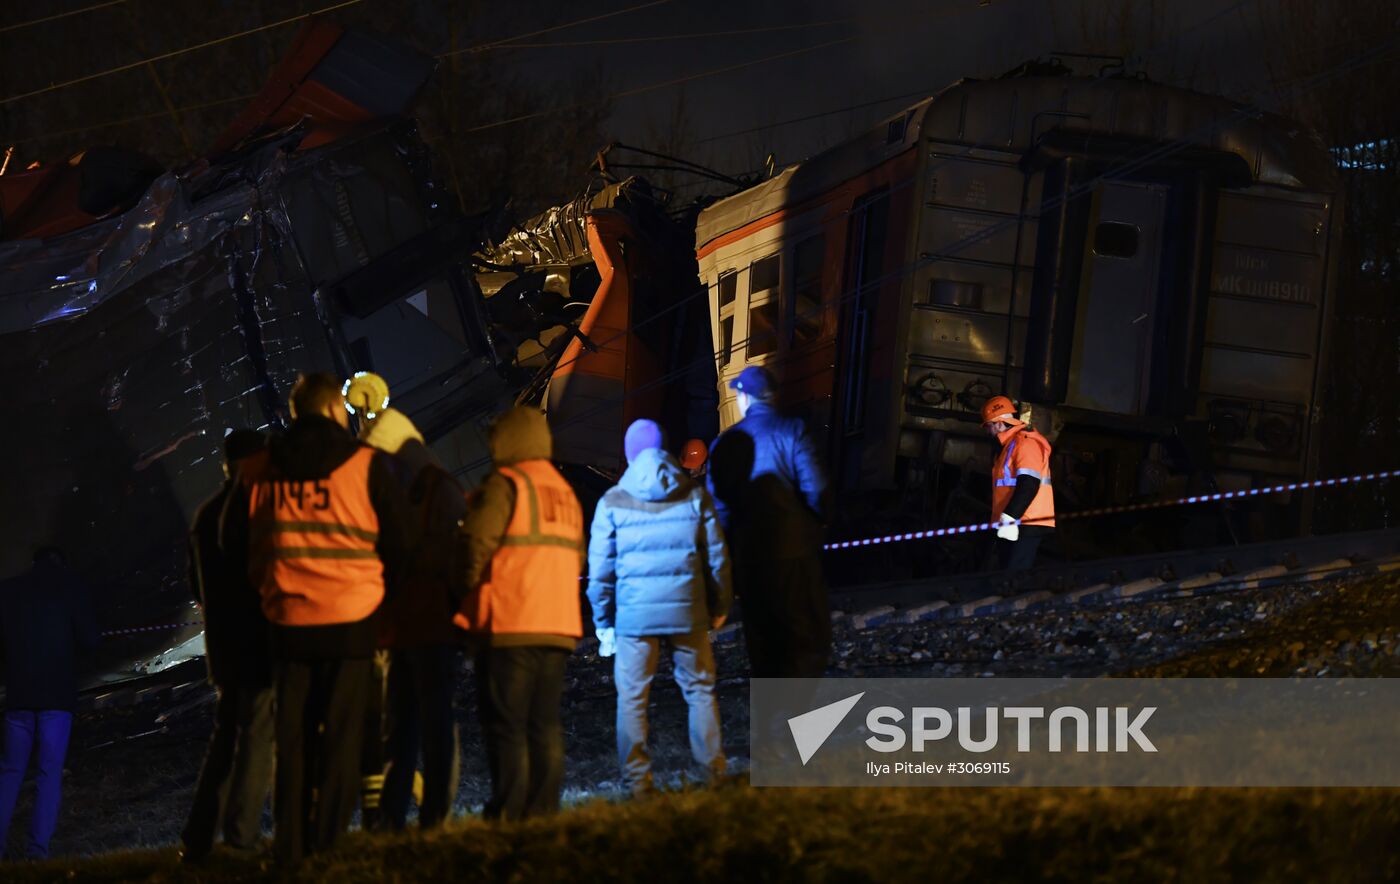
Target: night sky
point(878, 55)
point(896, 47)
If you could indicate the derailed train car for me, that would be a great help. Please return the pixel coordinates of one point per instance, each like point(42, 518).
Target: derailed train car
point(134, 338)
point(599, 298)
point(1145, 268)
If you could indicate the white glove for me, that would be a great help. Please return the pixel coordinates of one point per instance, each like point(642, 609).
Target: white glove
point(607, 642)
point(1008, 530)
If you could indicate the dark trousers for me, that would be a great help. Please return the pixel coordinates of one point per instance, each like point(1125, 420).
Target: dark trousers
point(237, 772)
point(1019, 555)
point(372, 748)
point(787, 616)
point(320, 732)
point(518, 692)
point(44, 735)
point(419, 706)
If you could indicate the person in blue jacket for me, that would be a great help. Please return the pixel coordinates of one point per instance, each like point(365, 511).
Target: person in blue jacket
point(771, 492)
point(658, 573)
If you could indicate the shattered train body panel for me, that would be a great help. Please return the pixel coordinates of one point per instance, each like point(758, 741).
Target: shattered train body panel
point(133, 345)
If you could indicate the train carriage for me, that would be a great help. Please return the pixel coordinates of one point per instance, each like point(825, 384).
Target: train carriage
point(1145, 268)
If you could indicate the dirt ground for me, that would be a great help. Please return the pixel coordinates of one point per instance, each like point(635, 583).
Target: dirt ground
point(131, 770)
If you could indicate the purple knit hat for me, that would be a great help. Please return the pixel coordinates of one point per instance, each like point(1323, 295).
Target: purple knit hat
point(643, 434)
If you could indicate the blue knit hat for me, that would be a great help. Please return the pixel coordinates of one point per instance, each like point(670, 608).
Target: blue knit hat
point(642, 435)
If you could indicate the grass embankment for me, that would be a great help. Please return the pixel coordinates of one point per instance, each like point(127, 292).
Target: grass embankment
point(735, 833)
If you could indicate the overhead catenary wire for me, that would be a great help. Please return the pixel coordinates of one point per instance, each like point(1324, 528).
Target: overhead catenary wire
point(155, 115)
point(175, 53)
point(816, 116)
point(5, 29)
point(494, 44)
point(479, 47)
point(663, 84)
point(667, 38)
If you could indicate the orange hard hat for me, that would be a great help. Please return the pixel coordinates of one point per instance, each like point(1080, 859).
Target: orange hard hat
point(999, 408)
point(694, 454)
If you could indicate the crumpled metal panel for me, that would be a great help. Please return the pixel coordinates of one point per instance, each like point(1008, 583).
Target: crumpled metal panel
point(559, 235)
point(131, 347)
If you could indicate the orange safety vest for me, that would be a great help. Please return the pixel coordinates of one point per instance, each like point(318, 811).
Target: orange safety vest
point(532, 585)
point(1023, 452)
point(312, 543)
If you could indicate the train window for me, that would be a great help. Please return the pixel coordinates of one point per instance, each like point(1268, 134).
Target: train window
point(728, 286)
point(763, 275)
point(1114, 239)
point(763, 328)
point(805, 307)
point(726, 339)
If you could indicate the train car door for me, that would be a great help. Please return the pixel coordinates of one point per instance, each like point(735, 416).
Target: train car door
point(865, 243)
point(1111, 367)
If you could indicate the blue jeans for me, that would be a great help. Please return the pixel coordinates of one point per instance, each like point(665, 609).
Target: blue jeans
point(635, 667)
point(24, 728)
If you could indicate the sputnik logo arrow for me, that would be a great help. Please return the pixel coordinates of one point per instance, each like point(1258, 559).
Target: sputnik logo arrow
point(811, 729)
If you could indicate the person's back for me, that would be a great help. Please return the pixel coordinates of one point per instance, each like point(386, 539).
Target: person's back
point(659, 573)
point(416, 629)
point(668, 577)
point(766, 478)
point(235, 631)
point(238, 761)
point(46, 623)
point(519, 606)
point(319, 521)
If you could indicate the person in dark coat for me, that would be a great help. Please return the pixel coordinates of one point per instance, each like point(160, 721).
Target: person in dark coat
point(237, 773)
point(46, 622)
point(416, 628)
point(658, 572)
point(770, 490)
point(321, 524)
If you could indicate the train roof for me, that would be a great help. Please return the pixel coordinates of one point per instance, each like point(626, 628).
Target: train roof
point(1017, 113)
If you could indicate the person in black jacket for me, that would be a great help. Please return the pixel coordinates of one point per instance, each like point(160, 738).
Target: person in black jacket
point(321, 524)
point(46, 621)
point(237, 772)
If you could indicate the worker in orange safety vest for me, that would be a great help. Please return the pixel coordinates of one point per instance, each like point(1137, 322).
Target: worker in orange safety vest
point(1023, 503)
point(322, 524)
point(523, 553)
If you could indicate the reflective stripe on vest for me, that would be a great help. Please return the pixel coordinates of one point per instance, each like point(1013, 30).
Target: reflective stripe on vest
point(532, 586)
point(1042, 507)
point(312, 543)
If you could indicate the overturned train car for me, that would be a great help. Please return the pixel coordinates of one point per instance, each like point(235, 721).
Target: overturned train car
point(1146, 269)
point(134, 341)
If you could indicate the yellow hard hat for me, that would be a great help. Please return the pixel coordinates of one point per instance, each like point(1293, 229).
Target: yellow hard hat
point(366, 394)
